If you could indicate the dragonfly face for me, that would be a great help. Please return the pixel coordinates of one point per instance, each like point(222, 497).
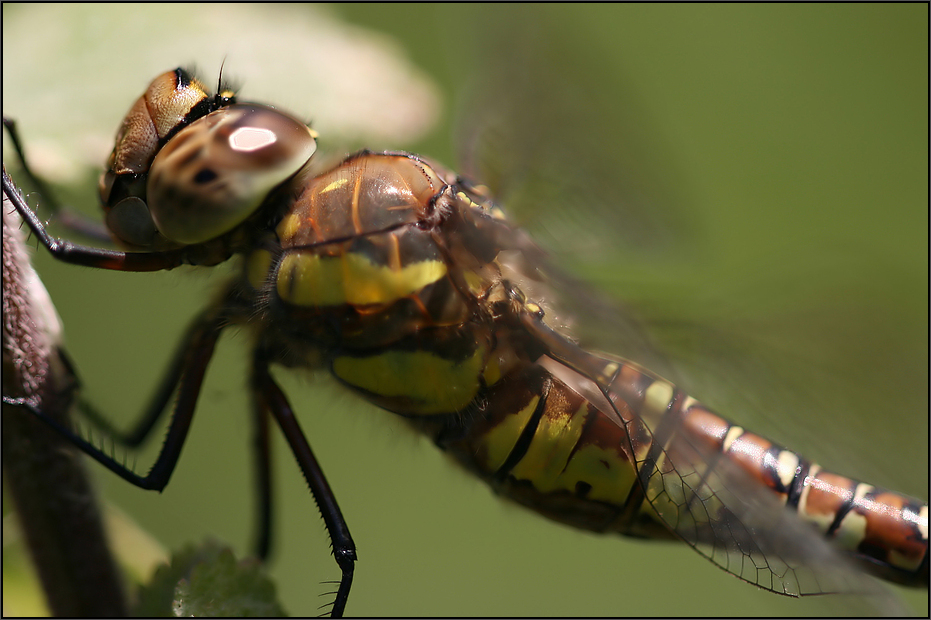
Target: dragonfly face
point(401, 280)
point(187, 168)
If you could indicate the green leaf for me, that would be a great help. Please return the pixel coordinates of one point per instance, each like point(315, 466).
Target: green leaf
point(208, 581)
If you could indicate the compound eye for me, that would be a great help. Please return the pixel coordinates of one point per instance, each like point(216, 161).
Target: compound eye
point(166, 103)
point(219, 169)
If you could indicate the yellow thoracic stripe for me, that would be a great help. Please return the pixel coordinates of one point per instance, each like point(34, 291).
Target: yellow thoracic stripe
point(307, 279)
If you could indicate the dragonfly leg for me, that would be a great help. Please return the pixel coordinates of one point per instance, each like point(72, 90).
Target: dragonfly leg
point(270, 398)
point(189, 376)
point(78, 222)
point(158, 403)
point(99, 258)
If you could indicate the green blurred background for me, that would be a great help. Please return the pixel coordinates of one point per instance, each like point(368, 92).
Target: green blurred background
point(792, 137)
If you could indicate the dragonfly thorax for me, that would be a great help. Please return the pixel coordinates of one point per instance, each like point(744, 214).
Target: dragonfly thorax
point(382, 272)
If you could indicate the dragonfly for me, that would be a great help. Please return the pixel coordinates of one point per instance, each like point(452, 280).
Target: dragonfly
point(409, 285)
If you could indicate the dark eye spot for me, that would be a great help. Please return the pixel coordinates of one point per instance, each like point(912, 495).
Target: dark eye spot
point(205, 175)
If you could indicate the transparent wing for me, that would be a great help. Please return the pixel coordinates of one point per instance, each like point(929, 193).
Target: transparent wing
point(717, 507)
point(525, 130)
point(545, 129)
point(799, 315)
point(703, 494)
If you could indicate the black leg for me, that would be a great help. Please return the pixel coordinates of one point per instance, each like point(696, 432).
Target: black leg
point(270, 398)
point(204, 334)
point(158, 404)
point(77, 222)
point(99, 258)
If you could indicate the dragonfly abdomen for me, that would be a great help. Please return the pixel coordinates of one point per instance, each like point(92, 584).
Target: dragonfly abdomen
point(657, 463)
point(886, 532)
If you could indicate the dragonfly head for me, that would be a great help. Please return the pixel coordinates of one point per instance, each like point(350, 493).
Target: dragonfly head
point(188, 167)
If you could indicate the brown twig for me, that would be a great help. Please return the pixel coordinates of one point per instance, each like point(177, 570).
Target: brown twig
point(43, 472)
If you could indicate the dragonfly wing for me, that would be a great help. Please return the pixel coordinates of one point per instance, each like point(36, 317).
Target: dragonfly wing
point(696, 481)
